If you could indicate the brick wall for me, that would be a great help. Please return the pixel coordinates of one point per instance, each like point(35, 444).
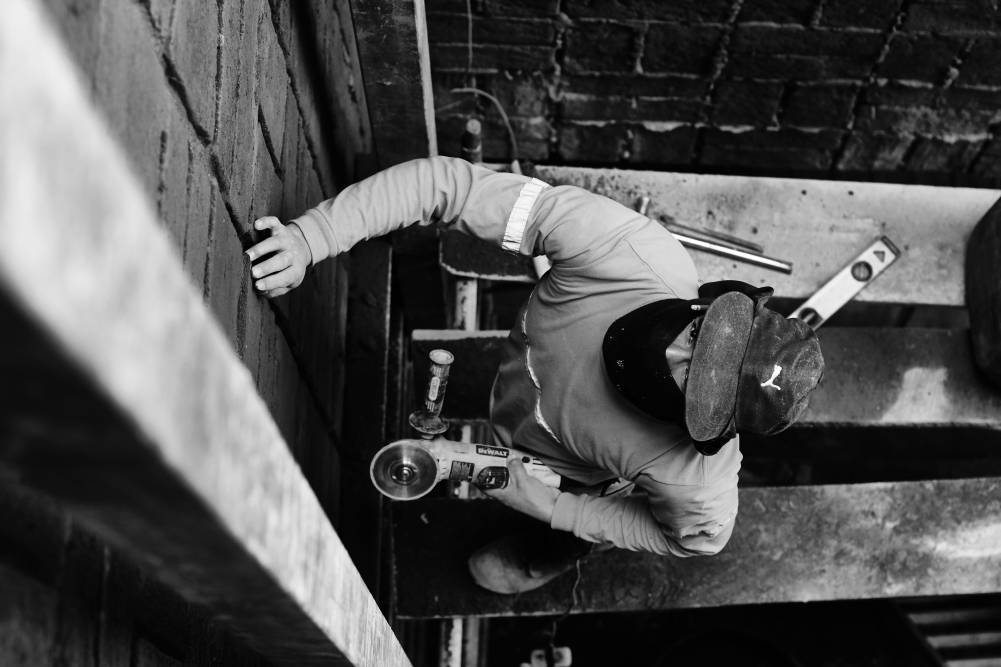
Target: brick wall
point(896, 89)
point(228, 110)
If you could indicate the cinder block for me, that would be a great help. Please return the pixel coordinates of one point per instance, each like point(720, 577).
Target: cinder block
point(685, 11)
point(872, 152)
point(600, 47)
point(452, 28)
point(819, 106)
point(982, 66)
point(597, 143)
point(668, 148)
point(859, 13)
point(919, 57)
point(191, 49)
point(745, 102)
point(777, 11)
point(680, 49)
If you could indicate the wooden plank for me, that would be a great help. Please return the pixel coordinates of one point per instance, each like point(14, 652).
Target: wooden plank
point(131, 408)
point(793, 544)
point(395, 63)
point(818, 225)
point(874, 377)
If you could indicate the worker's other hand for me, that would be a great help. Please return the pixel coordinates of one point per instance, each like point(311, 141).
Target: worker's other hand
point(290, 257)
point(525, 493)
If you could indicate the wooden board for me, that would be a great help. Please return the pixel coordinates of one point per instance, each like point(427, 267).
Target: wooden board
point(817, 225)
point(795, 544)
point(396, 66)
point(130, 407)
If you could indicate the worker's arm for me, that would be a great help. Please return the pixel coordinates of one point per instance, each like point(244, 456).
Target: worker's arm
point(450, 191)
point(681, 521)
point(572, 226)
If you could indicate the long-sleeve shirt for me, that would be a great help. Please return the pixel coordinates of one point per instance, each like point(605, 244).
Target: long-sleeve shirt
point(551, 394)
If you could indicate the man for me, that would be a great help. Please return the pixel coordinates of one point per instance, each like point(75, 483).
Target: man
point(620, 366)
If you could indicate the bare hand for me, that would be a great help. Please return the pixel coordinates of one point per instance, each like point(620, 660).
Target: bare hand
point(526, 494)
point(285, 269)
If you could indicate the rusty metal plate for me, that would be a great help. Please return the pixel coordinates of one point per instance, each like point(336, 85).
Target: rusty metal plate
point(817, 225)
point(793, 544)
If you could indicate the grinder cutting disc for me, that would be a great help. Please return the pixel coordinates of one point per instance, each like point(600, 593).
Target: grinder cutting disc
point(404, 471)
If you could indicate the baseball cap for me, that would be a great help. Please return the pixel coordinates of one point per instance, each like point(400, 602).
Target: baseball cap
point(751, 371)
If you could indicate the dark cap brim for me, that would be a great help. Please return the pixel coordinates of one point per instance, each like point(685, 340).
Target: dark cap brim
point(711, 391)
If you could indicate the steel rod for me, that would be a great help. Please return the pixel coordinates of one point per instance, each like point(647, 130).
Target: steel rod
point(733, 253)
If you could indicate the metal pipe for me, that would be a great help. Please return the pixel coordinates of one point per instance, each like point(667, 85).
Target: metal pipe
point(733, 253)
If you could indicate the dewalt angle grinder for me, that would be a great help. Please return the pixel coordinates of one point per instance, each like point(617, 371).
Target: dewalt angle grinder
point(409, 469)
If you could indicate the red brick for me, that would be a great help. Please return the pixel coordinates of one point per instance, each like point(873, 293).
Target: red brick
point(234, 145)
point(972, 100)
point(896, 95)
point(933, 122)
point(494, 58)
point(777, 11)
point(600, 143)
point(982, 66)
point(131, 87)
point(681, 49)
point(796, 41)
point(963, 17)
point(687, 11)
point(745, 103)
point(601, 47)
point(859, 13)
point(192, 51)
point(784, 149)
point(273, 80)
point(919, 57)
point(987, 166)
point(641, 85)
point(931, 155)
point(867, 152)
point(798, 68)
point(819, 106)
point(452, 28)
point(666, 148)
point(533, 136)
point(506, 8)
point(587, 107)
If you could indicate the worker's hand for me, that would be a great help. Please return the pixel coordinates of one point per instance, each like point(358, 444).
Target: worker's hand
point(285, 269)
point(526, 494)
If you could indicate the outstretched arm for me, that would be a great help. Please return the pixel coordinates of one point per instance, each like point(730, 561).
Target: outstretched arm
point(449, 191)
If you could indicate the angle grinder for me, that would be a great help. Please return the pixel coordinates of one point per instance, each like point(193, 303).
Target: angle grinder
point(409, 469)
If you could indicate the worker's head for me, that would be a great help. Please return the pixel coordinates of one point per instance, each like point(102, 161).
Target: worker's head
point(721, 364)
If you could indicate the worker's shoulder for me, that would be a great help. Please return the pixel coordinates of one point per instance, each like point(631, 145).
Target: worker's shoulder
point(655, 249)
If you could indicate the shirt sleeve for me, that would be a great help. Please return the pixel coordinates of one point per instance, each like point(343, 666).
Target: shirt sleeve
point(448, 191)
point(680, 520)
